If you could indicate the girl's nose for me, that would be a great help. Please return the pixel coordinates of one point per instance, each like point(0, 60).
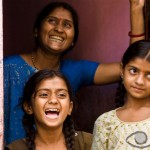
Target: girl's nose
point(140, 80)
point(52, 99)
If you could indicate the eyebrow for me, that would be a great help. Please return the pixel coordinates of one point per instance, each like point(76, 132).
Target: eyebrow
point(131, 66)
point(59, 18)
point(50, 89)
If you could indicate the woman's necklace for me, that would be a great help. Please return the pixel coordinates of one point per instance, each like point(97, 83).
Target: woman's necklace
point(33, 62)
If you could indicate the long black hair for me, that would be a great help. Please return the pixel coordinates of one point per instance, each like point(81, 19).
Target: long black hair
point(139, 49)
point(28, 120)
point(51, 7)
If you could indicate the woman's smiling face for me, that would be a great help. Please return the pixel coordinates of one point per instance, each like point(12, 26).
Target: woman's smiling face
point(56, 33)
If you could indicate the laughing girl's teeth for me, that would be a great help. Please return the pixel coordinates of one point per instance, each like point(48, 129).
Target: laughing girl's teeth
point(53, 109)
point(52, 113)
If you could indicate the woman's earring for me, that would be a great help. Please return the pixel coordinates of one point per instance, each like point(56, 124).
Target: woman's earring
point(35, 35)
point(72, 44)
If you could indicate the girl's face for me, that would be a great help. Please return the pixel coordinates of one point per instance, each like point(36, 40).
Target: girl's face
point(51, 103)
point(57, 31)
point(136, 79)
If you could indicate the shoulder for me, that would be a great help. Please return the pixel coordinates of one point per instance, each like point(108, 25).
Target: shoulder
point(78, 62)
point(16, 145)
point(83, 140)
point(104, 125)
point(13, 60)
point(16, 66)
point(85, 136)
point(106, 116)
point(82, 68)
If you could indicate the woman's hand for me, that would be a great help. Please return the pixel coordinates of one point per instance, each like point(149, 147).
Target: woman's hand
point(137, 4)
point(137, 20)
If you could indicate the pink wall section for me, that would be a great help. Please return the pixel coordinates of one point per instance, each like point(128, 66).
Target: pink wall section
point(103, 37)
point(104, 26)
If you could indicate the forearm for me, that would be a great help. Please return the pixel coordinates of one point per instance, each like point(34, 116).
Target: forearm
point(107, 73)
point(137, 20)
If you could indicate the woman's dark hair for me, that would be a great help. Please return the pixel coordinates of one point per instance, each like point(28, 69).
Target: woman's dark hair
point(139, 49)
point(28, 120)
point(50, 8)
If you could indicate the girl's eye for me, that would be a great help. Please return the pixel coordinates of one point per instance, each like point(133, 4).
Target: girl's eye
point(133, 71)
point(61, 95)
point(43, 95)
point(148, 76)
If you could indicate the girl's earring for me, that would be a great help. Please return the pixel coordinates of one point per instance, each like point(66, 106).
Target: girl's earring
point(29, 111)
point(72, 44)
point(121, 77)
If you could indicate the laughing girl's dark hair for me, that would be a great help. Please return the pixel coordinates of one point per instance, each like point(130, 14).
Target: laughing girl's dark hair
point(28, 120)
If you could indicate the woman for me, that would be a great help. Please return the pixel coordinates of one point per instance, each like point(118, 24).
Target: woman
point(55, 32)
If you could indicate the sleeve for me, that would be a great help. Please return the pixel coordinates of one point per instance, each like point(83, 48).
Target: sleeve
point(83, 140)
point(100, 135)
point(87, 72)
point(79, 73)
point(17, 145)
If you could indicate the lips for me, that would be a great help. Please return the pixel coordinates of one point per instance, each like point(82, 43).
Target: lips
point(52, 113)
point(138, 89)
